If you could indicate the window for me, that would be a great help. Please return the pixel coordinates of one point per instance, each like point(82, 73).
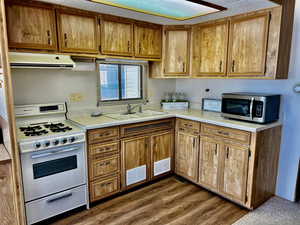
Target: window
point(120, 82)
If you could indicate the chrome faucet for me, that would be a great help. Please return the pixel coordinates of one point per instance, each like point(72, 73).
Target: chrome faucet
point(130, 108)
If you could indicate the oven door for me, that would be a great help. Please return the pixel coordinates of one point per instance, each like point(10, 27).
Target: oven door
point(54, 170)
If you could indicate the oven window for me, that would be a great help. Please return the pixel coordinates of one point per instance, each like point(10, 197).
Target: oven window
point(236, 107)
point(54, 166)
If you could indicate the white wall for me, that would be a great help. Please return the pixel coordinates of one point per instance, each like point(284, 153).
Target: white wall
point(52, 85)
point(290, 151)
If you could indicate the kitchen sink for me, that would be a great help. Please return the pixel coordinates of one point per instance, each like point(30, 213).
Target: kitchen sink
point(146, 113)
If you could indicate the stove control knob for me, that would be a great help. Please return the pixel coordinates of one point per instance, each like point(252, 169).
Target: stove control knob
point(38, 145)
point(47, 143)
point(56, 142)
point(64, 141)
point(72, 139)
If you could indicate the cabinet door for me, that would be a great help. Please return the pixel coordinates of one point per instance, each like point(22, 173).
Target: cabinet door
point(235, 172)
point(209, 163)
point(161, 153)
point(248, 45)
point(186, 156)
point(31, 27)
point(136, 161)
point(77, 32)
point(116, 38)
point(213, 43)
point(177, 52)
point(148, 41)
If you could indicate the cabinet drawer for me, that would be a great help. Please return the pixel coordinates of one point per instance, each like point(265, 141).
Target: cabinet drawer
point(103, 134)
point(104, 166)
point(236, 135)
point(97, 149)
point(104, 188)
point(188, 126)
point(147, 127)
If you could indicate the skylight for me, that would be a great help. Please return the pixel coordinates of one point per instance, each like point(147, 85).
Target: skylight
point(173, 9)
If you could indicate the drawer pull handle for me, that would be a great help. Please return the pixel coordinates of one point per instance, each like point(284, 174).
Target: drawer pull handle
point(107, 163)
point(227, 152)
point(223, 133)
point(59, 197)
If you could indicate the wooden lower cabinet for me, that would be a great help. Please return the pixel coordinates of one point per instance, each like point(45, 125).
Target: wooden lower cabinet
point(104, 187)
point(233, 182)
point(162, 146)
point(186, 159)
point(104, 163)
point(238, 165)
point(135, 161)
point(209, 166)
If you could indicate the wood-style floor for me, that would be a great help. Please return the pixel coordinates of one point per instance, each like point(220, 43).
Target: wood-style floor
point(168, 201)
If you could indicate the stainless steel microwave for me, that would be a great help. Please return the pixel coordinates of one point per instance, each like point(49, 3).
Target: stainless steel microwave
point(255, 107)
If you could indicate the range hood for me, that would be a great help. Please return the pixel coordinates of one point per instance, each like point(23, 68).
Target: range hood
point(33, 60)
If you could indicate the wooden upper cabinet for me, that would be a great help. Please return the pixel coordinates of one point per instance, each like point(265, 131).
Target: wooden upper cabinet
point(248, 45)
point(136, 160)
point(116, 37)
point(177, 52)
point(235, 172)
point(209, 165)
point(186, 155)
point(148, 41)
point(78, 32)
point(161, 153)
point(31, 27)
point(213, 43)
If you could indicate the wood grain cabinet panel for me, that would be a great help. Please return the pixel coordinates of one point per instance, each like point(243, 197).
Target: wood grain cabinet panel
point(186, 155)
point(177, 52)
point(161, 153)
point(213, 43)
point(77, 32)
point(148, 41)
point(235, 172)
point(103, 134)
point(104, 166)
point(209, 166)
point(135, 161)
point(103, 188)
point(238, 136)
point(31, 27)
point(248, 45)
point(104, 148)
point(116, 37)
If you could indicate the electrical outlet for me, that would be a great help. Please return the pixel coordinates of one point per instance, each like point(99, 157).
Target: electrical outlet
point(76, 97)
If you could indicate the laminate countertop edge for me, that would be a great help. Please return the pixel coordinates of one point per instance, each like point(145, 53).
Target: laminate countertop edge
point(4, 155)
point(88, 123)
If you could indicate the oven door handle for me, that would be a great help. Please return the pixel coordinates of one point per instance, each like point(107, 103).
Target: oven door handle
point(251, 108)
point(36, 156)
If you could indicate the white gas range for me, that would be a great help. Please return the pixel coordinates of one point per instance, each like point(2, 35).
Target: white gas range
point(53, 158)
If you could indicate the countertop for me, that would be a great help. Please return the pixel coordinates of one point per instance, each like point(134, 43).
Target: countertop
point(87, 122)
point(4, 156)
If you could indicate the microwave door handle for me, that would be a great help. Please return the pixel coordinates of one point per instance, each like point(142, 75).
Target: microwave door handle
point(251, 108)
point(53, 153)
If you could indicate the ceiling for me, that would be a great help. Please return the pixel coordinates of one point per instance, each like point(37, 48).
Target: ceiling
point(234, 7)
